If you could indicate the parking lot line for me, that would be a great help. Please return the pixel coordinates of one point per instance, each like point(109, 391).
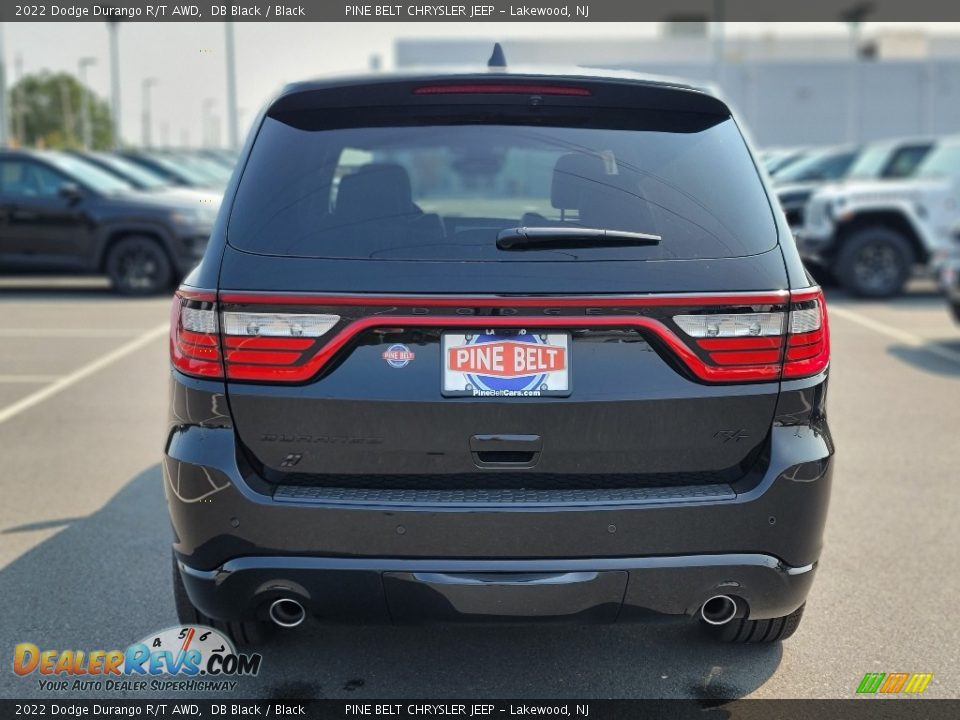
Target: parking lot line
point(896, 334)
point(68, 332)
point(77, 375)
point(28, 378)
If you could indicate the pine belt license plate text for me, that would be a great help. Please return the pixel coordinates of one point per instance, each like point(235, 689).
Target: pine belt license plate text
point(514, 363)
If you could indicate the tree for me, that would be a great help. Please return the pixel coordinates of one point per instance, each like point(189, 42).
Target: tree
point(47, 111)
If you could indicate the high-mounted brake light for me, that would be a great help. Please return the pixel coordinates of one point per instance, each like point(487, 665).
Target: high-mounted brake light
point(502, 89)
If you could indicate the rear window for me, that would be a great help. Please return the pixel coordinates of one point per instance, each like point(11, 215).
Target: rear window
point(437, 189)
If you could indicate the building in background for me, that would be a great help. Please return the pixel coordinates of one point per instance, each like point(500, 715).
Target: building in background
point(790, 90)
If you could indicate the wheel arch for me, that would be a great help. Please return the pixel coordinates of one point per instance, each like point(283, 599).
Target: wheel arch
point(115, 234)
point(891, 219)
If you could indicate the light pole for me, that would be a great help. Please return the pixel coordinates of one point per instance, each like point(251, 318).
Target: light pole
point(232, 137)
point(854, 16)
point(17, 97)
point(719, 36)
point(3, 91)
point(146, 85)
point(208, 104)
point(87, 130)
point(113, 28)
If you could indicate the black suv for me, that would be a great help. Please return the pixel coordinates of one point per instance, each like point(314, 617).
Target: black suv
point(59, 213)
point(498, 347)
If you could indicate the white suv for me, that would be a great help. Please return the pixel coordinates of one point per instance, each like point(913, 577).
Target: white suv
point(871, 234)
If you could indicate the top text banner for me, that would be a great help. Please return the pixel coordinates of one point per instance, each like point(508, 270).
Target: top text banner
point(487, 11)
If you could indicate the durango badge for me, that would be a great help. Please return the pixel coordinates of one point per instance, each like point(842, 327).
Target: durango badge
point(398, 355)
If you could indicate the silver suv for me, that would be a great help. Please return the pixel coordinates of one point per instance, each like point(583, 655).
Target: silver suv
point(871, 234)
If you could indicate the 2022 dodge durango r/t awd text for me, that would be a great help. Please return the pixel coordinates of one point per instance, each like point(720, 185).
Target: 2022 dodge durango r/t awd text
point(498, 347)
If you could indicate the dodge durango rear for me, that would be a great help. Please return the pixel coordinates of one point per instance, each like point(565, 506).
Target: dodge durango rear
point(498, 347)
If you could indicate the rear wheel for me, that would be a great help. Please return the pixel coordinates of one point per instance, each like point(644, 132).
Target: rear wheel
point(241, 632)
point(741, 630)
point(875, 262)
point(138, 265)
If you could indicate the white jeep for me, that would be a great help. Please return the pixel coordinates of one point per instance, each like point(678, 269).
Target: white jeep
point(871, 234)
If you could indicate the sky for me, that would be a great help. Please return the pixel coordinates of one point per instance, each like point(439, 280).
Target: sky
point(187, 59)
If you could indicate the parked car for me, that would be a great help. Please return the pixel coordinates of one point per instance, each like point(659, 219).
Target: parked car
point(888, 159)
point(950, 278)
point(226, 158)
point(892, 159)
point(61, 214)
point(776, 159)
point(796, 183)
point(143, 179)
point(871, 234)
point(555, 360)
point(173, 171)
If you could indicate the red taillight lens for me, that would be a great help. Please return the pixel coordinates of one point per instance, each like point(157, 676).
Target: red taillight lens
point(502, 89)
point(194, 336)
point(808, 343)
point(249, 345)
point(763, 345)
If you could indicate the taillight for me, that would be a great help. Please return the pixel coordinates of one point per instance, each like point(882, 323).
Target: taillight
point(808, 343)
point(719, 337)
point(194, 337)
point(269, 345)
point(249, 345)
point(762, 345)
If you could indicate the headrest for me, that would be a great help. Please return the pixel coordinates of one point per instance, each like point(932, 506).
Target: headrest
point(575, 177)
point(375, 190)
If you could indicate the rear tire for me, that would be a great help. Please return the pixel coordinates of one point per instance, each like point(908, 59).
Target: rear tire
point(875, 262)
point(138, 265)
point(741, 630)
point(242, 632)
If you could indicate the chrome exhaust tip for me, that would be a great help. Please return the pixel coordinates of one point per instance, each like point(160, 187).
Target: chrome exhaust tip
point(718, 610)
point(287, 612)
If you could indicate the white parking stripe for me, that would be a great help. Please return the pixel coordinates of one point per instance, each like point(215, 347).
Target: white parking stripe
point(68, 332)
point(77, 375)
point(28, 378)
point(896, 333)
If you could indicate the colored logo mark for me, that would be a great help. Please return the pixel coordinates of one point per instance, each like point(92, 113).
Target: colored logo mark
point(892, 683)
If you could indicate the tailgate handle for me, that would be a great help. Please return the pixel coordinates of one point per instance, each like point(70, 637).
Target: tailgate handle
point(506, 449)
point(500, 578)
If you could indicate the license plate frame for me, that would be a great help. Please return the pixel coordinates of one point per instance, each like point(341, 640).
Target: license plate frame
point(551, 376)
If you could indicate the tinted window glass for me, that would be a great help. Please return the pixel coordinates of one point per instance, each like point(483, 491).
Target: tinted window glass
point(827, 165)
point(943, 162)
point(88, 174)
point(29, 179)
point(444, 191)
point(905, 161)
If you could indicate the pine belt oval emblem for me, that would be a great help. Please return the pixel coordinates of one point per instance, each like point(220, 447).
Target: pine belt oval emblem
point(398, 355)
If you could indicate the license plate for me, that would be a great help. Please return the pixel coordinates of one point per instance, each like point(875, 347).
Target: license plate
point(521, 363)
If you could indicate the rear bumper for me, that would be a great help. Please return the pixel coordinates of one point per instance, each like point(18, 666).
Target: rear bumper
point(415, 555)
point(582, 590)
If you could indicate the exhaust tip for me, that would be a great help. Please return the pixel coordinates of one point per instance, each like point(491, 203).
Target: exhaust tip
point(718, 610)
point(287, 612)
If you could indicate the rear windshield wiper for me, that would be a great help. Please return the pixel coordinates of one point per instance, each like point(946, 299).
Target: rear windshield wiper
point(519, 238)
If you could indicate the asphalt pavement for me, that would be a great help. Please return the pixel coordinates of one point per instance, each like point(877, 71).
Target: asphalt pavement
point(84, 538)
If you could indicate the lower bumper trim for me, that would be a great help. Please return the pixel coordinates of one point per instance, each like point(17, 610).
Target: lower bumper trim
point(423, 590)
